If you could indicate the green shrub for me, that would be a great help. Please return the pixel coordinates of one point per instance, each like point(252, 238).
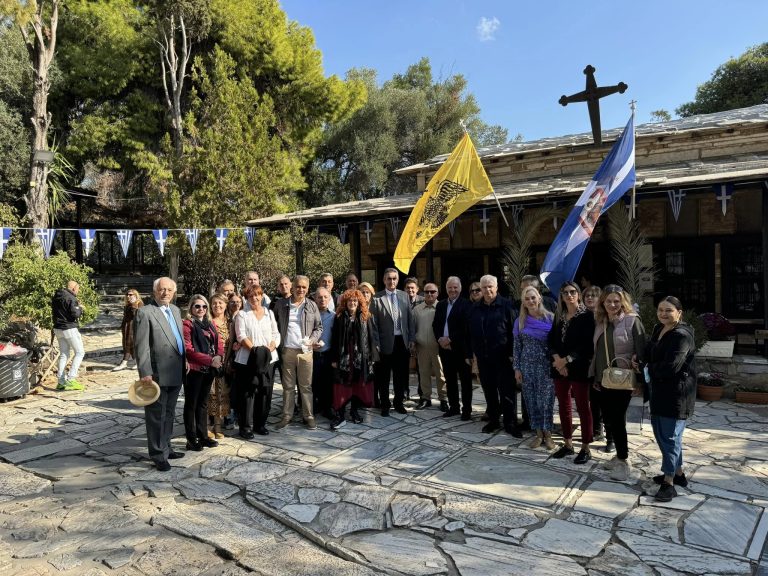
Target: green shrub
point(28, 282)
point(649, 318)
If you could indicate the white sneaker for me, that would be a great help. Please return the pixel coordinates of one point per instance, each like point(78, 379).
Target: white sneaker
point(122, 366)
point(620, 471)
point(611, 464)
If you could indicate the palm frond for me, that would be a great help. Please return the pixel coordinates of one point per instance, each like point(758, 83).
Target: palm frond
point(626, 246)
point(516, 252)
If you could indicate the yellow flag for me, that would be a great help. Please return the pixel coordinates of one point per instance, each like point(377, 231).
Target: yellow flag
point(459, 184)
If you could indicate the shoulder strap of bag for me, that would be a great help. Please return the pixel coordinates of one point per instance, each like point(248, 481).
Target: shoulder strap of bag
point(605, 341)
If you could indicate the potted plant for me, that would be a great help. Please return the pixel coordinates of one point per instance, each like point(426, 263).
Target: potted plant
point(720, 336)
point(751, 395)
point(709, 386)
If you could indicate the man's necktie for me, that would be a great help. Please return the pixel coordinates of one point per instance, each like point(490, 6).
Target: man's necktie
point(175, 330)
point(395, 310)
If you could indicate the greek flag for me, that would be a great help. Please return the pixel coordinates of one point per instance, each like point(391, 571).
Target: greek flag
point(221, 237)
point(125, 240)
point(46, 236)
point(88, 236)
point(161, 236)
point(5, 235)
point(249, 233)
point(612, 180)
point(192, 235)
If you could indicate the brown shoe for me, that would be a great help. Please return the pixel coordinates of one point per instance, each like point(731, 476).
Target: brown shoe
point(548, 442)
point(284, 422)
point(311, 424)
point(536, 442)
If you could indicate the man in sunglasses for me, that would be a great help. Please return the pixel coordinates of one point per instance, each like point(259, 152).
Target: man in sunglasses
point(159, 350)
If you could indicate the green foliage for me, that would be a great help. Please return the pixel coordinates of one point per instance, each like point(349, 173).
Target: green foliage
point(9, 218)
point(516, 251)
point(660, 115)
point(409, 119)
point(627, 248)
point(14, 153)
point(28, 282)
point(738, 83)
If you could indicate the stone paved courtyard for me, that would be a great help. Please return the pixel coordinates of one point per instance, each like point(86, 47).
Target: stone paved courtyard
point(411, 494)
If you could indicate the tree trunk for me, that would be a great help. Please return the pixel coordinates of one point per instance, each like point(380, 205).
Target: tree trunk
point(41, 56)
point(174, 58)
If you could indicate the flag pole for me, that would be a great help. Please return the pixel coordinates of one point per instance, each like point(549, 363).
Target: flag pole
point(632, 106)
point(464, 127)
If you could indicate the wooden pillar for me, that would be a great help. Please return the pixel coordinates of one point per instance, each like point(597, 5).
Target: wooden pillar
point(79, 222)
point(765, 255)
point(299, 250)
point(430, 262)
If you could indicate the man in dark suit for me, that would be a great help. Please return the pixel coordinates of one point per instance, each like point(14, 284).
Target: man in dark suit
point(451, 328)
point(391, 310)
point(159, 355)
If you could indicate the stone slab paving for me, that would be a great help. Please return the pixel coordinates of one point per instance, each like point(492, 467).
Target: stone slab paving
point(411, 494)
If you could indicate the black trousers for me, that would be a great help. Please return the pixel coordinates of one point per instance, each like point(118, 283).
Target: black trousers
point(455, 370)
point(614, 406)
point(497, 380)
point(598, 416)
point(159, 418)
point(253, 403)
point(322, 381)
point(395, 365)
point(197, 388)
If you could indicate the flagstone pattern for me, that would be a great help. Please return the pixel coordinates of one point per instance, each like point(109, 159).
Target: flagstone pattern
point(411, 494)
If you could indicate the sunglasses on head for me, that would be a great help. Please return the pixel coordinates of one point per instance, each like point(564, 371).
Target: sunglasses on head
point(200, 307)
point(614, 288)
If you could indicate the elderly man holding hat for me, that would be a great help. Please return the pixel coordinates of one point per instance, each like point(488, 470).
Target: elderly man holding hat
point(159, 352)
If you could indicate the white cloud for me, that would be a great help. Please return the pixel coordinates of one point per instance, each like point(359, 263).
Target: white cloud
point(487, 27)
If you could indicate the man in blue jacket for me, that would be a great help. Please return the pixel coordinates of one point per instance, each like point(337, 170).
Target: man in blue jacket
point(66, 311)
point(490, 326)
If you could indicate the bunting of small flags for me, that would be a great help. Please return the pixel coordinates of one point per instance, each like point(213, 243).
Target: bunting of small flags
point(452, 227)
point(676, 202)
point(484, 220)
point(554, 218)
point(161, 236)
point(192, 235)
point(221, 237)
point(724, 193)
point(125, 237)
point(395, 223)
point(368, 230)
point(88, 236)
point(249, 234)
point(343, 233)
point(46, 236)
point(5, 235)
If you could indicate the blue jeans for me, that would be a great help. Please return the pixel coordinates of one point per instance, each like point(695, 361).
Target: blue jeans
point(669, 436)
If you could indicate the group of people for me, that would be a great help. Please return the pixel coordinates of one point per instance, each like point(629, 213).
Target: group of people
point(338, 351)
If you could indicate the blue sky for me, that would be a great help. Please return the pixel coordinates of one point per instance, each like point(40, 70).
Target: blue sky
point(519, 57)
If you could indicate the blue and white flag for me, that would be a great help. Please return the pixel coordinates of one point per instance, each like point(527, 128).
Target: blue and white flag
point(88, 236)
point(612, 180)
point(5, 235)
point(192, 236)
point(723, 192)
point(46, 236)
point(249, 233)
point(221, 237)
point(161, 236)
point(125, 237)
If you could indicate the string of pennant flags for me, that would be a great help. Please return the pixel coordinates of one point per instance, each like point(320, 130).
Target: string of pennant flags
point(723, 194)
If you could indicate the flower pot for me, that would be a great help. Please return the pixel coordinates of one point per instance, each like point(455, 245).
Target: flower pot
point(751, 397)
point(709, 393)
point(717, 349)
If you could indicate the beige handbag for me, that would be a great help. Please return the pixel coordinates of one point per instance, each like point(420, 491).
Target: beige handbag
point(615, 378)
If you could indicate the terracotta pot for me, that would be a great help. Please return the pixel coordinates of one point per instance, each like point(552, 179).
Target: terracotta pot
point(752, 397)
point(709, 393)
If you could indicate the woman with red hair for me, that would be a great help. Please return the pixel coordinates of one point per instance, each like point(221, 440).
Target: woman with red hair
point(353, 352)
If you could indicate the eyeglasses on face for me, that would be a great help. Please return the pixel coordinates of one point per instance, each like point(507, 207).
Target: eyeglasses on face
point(200, 307)
point(474, 290)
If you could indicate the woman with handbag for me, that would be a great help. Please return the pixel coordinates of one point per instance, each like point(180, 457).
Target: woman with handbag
point(571, 350)
point(353, 352)
point(256, 332)
point(204, 351)
point(619, 342)
point(218, 403)
point(531, 364)
point(671, 366)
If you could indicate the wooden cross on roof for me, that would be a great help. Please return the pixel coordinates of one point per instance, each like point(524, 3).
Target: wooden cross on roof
point(591, 95)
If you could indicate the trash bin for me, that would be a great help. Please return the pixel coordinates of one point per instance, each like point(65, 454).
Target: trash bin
point(14, 375)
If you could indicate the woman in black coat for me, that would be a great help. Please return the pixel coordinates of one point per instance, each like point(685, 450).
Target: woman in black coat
point(570, 345)
point(672, 372)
